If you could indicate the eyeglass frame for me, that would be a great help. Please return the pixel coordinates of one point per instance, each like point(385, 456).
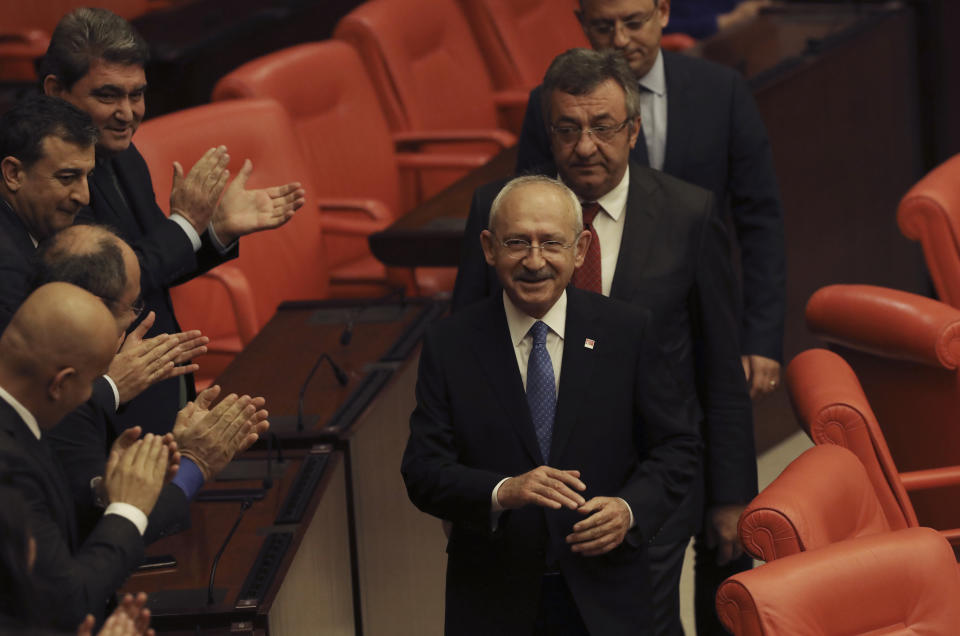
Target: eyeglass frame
point(612, 130)
point(137, 306)
point(644, 21)
point(530, 247)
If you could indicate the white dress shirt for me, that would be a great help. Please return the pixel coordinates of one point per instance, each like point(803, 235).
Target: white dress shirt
point(609, 226)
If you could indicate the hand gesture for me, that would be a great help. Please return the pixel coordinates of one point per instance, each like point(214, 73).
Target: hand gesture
point(212, 437)
point(607, 522)
point(763, 374)
point(720, 532)
point(129, 436)
point(130, 618)
point(135, 474)
point(543, 486)
point(195, 196)
point(143, 362)
point(243, 211)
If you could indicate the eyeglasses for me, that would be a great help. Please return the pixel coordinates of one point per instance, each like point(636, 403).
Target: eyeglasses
point(568, 134)
point(136, 307)
point(520, 248)
point(604, 28)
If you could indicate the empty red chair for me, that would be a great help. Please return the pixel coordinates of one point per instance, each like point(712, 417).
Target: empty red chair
point(930, 213)
point(430, 77)
point(519, 38)
point(831, 407)
point(905, 351)
point(236, 299)
point(900, 583)
point(349, 148)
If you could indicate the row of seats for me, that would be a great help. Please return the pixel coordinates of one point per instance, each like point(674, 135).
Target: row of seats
point(886, 462)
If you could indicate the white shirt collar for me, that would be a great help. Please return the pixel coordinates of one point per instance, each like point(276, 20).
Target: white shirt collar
point(519, 322)
point(22, 411)
point(615, 202)
point(655, 80)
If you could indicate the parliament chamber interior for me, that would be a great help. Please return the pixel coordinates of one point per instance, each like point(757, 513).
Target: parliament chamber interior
point(390, 116)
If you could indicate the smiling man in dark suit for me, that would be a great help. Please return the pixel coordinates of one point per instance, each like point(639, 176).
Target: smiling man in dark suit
point(551, 432)
point(657, 243)
point(96, 62)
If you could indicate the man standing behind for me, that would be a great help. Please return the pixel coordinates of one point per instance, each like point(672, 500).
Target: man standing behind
point(699, 124)
point(96, 62)
point(551, 432)
point(657, 243)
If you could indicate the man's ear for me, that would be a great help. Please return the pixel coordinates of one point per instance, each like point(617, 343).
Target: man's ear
point(487, 241)
point(12, 173)
point(582, 245)
point(60, 381)
point(634, 131)
point(52, 86)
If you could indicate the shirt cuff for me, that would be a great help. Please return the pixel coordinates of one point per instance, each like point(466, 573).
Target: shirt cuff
point(188, 229)
point(217, 243)
point(189, 478)
point(131, 513)
point(630, 510)
point(116, 392)
point(495, 507)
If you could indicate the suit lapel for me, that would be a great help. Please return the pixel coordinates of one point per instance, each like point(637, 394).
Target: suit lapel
point(103, 190)
point(644, 207)
point(15, 230)
point(576, 368)
point(498, 363)
point(679, 114)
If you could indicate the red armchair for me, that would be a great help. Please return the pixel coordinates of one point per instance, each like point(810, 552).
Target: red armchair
point(930, 213)
point(905, 350)
point(350, 152)
point(431, 79)
point(897, 583)
point(233, 301)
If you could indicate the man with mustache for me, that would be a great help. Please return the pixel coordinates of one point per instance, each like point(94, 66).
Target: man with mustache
point(96, 62)
point(657, 243)
point(552, 433)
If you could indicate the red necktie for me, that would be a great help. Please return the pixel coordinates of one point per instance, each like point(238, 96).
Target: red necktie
point(588, 275)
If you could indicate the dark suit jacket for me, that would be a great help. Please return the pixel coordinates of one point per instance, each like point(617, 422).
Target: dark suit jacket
point(85, 573)
point(166, 259)
point(674, 260)
point(716, 140)
point(621, 419)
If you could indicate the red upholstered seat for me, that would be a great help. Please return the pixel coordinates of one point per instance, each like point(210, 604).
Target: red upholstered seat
point(519, 38)
point(905, 351)
point(430, 79)
point(897, 584)
point(350, 152)
point(236, 299)
point(832, 408)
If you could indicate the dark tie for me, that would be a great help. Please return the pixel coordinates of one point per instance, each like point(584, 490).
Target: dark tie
point(541, 389)
point(588, 275)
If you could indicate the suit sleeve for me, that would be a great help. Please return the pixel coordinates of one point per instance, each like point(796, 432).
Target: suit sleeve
point(436, 481)
point(472, 278)
point(758, 218)
point(15, 274)
point(667, 439)
point(84, 581)
point(730, 461)
point(533, 147)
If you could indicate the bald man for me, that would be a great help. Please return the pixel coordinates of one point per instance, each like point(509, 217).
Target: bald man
point(57, 343)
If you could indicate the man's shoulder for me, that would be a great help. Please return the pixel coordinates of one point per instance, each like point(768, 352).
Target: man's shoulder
point(604, 309)
point(699, 69)
point(471, 318)
point(678, 191)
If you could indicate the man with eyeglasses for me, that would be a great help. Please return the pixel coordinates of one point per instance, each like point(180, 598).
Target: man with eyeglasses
point(700, 124)
point(657, 243)
point(553, 434)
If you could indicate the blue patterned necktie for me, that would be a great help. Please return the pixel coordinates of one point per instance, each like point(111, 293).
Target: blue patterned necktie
point(541, 389)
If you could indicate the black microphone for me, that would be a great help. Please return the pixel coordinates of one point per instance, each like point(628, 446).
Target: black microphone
point(244, 506)
point(342, 380)
point(271, 440)
point(347, 335)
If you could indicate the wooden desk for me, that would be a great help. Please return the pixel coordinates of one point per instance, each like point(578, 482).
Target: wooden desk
point(395, 552)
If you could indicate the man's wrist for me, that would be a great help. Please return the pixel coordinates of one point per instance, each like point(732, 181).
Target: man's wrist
point(189, 478)
point(192, 234)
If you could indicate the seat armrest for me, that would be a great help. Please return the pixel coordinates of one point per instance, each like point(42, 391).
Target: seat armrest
point(356, 217)
point(238, 289)
point(416, 139)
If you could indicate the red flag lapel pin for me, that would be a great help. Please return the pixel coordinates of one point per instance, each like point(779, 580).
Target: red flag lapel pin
point(588, 343)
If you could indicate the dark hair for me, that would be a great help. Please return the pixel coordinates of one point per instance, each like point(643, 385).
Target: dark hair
point(580, 71)
point(18, 592)
point(85, 35)
point(95, 266)
point(24, 127)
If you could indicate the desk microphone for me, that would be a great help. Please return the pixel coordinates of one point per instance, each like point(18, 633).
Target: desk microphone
point(347, 335)
point(244, 506)
point(271, 440)
point(342, 380)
